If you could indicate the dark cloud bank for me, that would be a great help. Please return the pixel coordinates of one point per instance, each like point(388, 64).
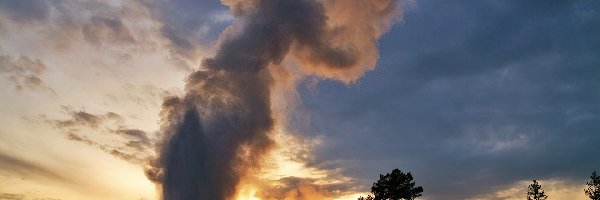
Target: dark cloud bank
point(470, 97)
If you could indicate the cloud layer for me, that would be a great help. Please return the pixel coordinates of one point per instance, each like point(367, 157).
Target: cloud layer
point(471, 95)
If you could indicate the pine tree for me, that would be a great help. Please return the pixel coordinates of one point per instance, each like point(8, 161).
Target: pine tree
point(369, 197)
point(394, 186)
point(536, 192)
point(593, 187)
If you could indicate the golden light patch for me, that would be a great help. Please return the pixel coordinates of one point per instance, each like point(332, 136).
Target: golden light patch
point(284, 174)
point(247, 192)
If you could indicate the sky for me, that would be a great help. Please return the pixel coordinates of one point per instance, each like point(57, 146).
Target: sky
point(474, 98)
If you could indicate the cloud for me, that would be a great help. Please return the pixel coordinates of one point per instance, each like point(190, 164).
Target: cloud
point(75, 20)
point(24, 73)
point(182, 29)
point(137, 156)
point(139, 139)
point(132, 145)
point(26, 10)
point(137, 134)
point(26, 169)
point(189, 24)
point(7, 196)
point(189, 27)
point(103, 28)
point(146, 95)
point(468, 99)
point(11, 196)
point(349, 48)
point(84, 119)
point(295, 188)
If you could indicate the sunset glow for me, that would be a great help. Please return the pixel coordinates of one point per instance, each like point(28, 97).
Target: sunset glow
point(298, 99)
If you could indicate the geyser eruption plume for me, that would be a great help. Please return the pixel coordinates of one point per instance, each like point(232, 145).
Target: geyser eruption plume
point(220, 129)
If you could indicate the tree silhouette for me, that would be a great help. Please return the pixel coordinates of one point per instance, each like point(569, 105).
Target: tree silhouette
point(593, 190)
point(536, 192)
point(369, 197)
point(394, 186)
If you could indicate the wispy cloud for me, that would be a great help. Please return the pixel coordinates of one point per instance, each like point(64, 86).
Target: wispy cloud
point(306, 189)
point(8, 196)
point(133, 145)
point(26, 169)
point(24, 73)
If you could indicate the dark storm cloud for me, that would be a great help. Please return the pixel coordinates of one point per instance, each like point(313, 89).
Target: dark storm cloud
point(472, 96)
